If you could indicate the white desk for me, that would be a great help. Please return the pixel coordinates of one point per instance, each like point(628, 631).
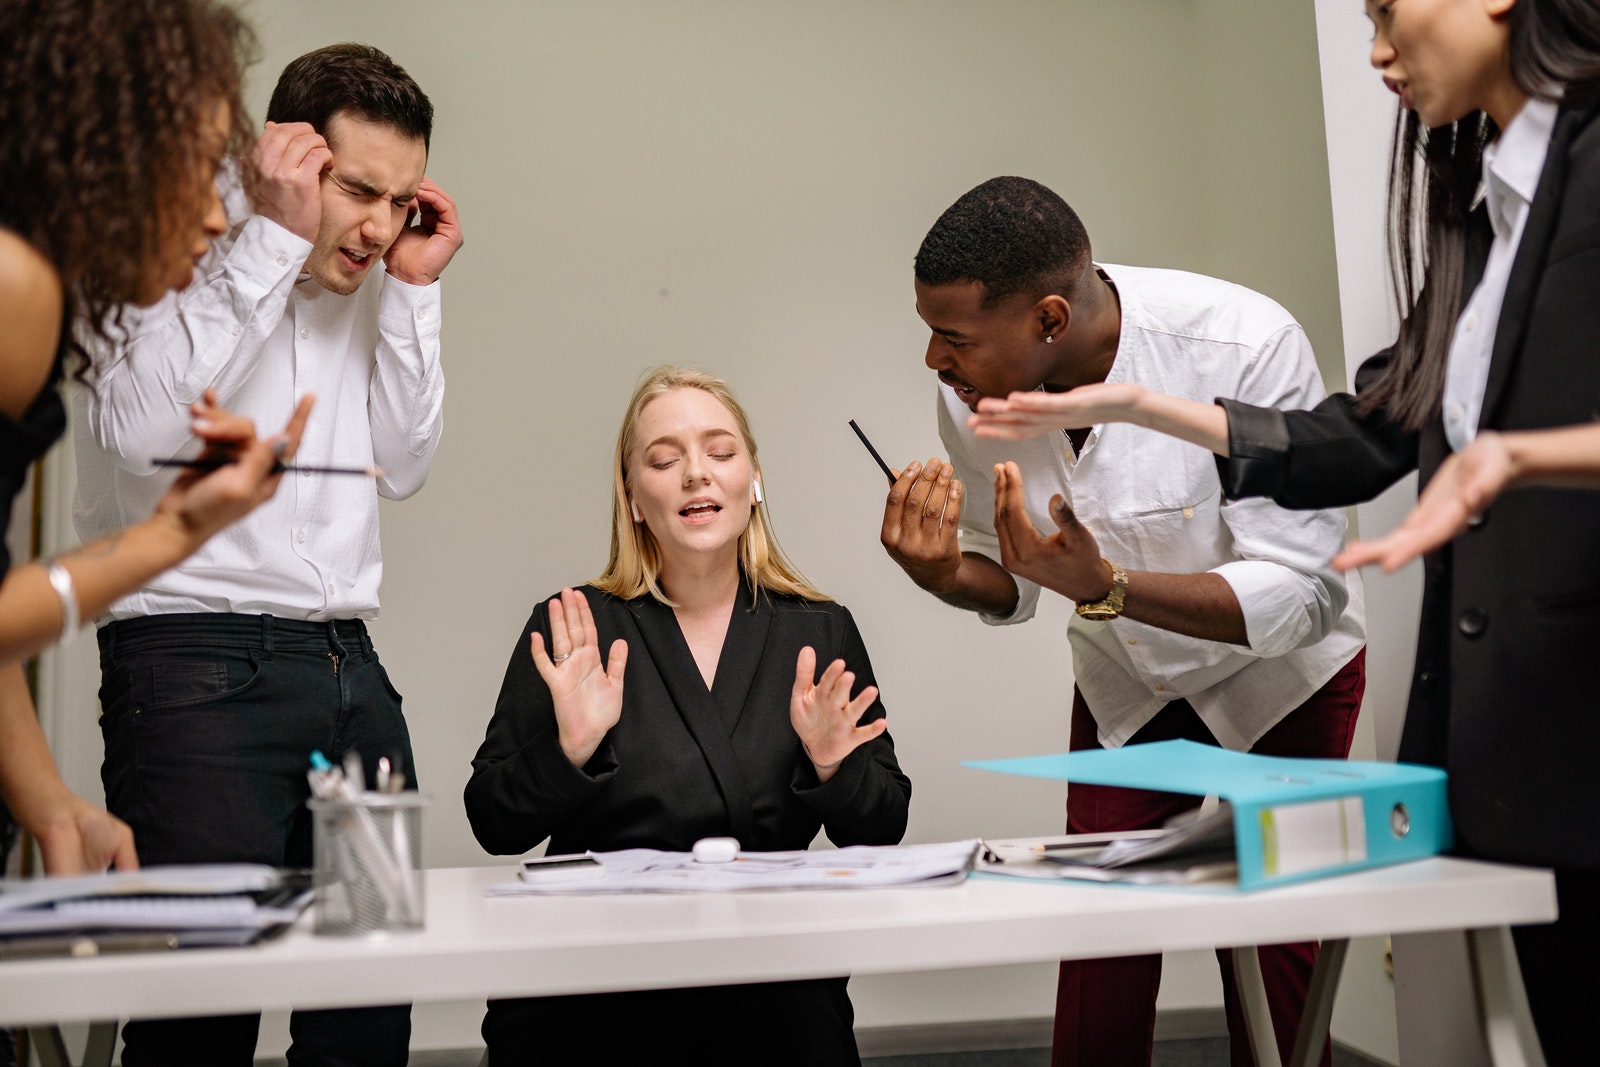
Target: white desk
point(479, 947)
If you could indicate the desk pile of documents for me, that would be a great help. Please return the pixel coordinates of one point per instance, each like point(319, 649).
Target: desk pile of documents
point(154, 908)
point(647, 870)
point(1190, 850)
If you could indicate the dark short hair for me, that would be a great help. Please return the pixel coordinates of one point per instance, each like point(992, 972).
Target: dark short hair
point(356, 78)
point(1013, 235)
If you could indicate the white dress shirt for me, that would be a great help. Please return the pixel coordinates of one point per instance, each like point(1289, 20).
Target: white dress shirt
point(262, 334)
point(1511, 168)
point(1154, 504)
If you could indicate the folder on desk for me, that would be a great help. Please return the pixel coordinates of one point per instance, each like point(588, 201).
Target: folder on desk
point(1294, 819)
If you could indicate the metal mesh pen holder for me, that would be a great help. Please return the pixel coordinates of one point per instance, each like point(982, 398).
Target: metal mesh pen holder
point(367, 864)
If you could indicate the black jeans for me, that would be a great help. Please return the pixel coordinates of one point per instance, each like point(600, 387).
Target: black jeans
point(209, 722)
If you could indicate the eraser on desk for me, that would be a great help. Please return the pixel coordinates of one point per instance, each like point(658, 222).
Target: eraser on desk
point(716, 850)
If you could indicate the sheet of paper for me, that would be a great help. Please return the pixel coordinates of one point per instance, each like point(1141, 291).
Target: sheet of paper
point(643, 870)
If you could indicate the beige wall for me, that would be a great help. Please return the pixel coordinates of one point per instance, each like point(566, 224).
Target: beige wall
point(743, 185)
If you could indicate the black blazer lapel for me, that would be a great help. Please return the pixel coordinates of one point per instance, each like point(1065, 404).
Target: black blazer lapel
point(741, 654)
point(673, 660)
point(1528, 266)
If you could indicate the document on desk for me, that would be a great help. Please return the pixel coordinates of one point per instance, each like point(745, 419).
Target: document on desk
point(189, 906)
point(644, 870)
point(1189, 852)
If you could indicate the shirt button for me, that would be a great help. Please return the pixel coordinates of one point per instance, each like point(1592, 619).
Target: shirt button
point(283, 261)
point(300, 536)
point(1455, 413)
point(237, 330)
point(1161, 689)
point(1472, 623)
point(422, 313)
point(305, 331)
point(1133, 640)
point(1188, 513)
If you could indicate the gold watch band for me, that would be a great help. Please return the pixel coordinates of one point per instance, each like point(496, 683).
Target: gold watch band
point(1109, 606)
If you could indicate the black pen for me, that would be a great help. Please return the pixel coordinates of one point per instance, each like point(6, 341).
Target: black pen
point(887, 473)
point(212, 463)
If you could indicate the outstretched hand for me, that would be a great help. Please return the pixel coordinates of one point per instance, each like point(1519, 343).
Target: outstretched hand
point(1466, 483)
point(824, 716)
point(587, 693)
point(1033, 414)
point(1067, 561)
point(204, 501)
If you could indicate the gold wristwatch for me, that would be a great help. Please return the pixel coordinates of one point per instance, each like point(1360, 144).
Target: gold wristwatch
point(1109, 606)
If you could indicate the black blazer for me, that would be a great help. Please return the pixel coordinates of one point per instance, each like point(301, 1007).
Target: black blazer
point(1501, 696)
point(683, 762)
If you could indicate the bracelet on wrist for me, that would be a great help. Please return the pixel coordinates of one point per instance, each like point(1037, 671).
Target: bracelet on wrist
point(61, 582)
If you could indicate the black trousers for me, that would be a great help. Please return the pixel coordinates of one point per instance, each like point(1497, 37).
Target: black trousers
point(1557, 962)
point(209, 721)
point(776, 1024)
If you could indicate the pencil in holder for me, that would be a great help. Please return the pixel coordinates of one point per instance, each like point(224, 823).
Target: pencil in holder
point(367, 864)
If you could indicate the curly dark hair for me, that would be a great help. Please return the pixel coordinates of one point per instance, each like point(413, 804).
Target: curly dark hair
point(1013, 235)
point(102, 103)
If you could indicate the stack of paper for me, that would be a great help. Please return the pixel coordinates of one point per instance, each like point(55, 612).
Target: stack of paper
point(153, 908)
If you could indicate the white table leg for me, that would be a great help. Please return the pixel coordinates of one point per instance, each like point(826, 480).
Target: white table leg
point(1253, 1002)
point(1502, 1000)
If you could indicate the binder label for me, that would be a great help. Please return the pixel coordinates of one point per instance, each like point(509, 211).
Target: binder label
point(1313, 836)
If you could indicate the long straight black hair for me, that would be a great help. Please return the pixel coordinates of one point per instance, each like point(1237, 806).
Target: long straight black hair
point(1433, 175)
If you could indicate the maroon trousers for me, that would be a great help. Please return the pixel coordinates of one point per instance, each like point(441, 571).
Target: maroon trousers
point(1106, 1009)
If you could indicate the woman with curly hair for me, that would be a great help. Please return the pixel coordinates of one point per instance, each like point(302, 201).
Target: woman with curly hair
point(116, 114)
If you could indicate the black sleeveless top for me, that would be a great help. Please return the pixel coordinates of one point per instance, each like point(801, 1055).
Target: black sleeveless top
point(23, 442)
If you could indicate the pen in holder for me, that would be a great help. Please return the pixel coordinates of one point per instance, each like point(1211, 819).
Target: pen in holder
point(366, 859)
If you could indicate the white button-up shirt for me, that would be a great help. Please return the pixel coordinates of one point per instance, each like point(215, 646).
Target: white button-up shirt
point(1511, 168)
point(1154, 504)
point(262, 334)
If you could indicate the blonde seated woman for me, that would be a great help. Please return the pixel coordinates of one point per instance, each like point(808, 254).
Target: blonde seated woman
point(700, 687)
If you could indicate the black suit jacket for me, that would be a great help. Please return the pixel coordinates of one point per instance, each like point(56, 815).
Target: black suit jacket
point(1501, 696)
point(684, 762)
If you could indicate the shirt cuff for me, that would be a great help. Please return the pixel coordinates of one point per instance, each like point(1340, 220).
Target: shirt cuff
point(409, 309)
point(266, 252)
point(980, 544)
point(1275, 615)
point(1258, 443)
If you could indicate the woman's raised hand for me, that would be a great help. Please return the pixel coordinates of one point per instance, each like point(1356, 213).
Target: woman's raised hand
point(824, 715)
point(587, 693)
